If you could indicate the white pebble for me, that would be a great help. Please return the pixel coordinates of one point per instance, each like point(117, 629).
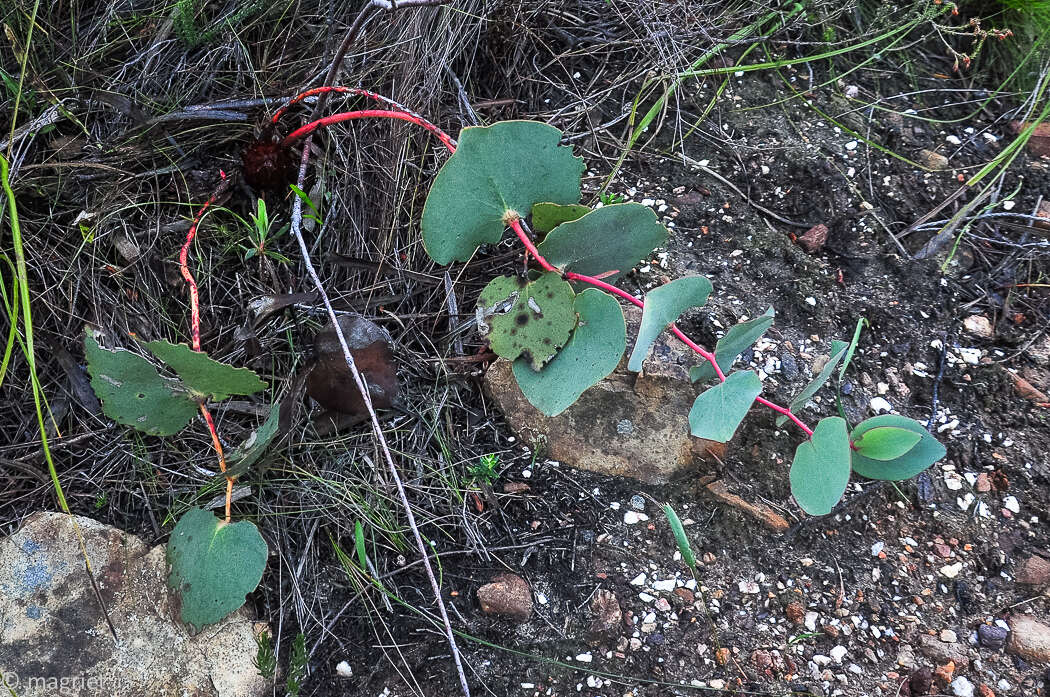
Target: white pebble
point(1010, 504)
point(951, 570)
point(838, 653)
point(344, 670)
point(879, 405)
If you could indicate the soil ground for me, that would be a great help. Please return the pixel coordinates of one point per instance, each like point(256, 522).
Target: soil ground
point(849, 604)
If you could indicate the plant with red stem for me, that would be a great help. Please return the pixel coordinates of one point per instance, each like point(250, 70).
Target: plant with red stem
point(563, 342)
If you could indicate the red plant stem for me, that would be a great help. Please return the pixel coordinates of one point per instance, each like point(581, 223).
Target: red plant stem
point(515, 224)
point(356, 91)
point(367, 114)
point(195, 325)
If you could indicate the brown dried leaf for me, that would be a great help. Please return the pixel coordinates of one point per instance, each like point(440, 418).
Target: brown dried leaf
point(330, 381)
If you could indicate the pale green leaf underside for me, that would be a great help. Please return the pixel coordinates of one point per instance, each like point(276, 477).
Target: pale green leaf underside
point(592, 353)
point(214, 565)
point(663, 306)
point(926, 452)
point(608, 239)
point(546, 216)
point(133, 393)
point(886, 442)
point(838, 350)
point(247, 453)
point(739, 337)
point(820, 471)
point(530, 319)
point(497, 169)
point(718, 411)
point(204, 376)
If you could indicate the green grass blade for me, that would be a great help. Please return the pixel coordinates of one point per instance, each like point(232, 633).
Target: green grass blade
point(679, 536)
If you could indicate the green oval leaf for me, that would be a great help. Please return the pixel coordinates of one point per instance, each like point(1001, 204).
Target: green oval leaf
point(133, 393)
point(717, 412)
point(820, 471)
point(926, 452)
point(527, 318)
point(607, 242)
point(886, 442)
point(838, 351)
point(679, 536)
point(214, 565)
point(496, 171)
point(739, 337)
point(204, 376)
point(591, 354)
point(547, 216)
point(663, 306)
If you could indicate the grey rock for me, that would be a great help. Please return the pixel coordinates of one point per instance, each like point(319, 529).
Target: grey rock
point(961, 687)
point(53, 629)
point(591, 434)
point(941, 652)
point(991, 636)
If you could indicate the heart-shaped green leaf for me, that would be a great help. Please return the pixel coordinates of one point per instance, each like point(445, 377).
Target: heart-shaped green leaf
point(497, 172)
point(664, 305)
point(739, 337)
point(547, 216)
point(133, 393)
point(607, 242)
point(886, 442)
point(214, 565)
point(591, 354)
point(838, 351)
point(527, 318)
point(718, 411)
point(202, 375)
point(820, 471)
point(923, 454)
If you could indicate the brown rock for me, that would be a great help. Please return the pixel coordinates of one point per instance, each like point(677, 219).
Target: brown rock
point(983, 484)
point(1029, 639)
point(515, 487)
point(944, 652)
point(1039, 143)
point(628, 425)
point(330, 381)
point(608, 617)
point(687, 596)
point(979, 325)
point(1033, 571)
point(813, 239)
point(722, 656)
point(944, 673)
point(795, 612)
point(1028, 390)
point(985, 691)
point(921, 681)
point(507, 596)
point(932, 160)
point(759, 511)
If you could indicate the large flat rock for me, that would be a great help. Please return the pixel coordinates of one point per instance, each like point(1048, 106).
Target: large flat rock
point(629, 425)
point(53, 634)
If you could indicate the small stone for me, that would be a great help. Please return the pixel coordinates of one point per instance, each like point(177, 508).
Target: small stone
point(637, 502)
point(951, 570)
point(942, 550)
point(722, 656)
point(1010, 504)
point(921, 681)
point(933, 160)
point(978, 325)
point(634, 517)
point(983, 483)
point(961, 687)
point(985, 691)
point(662, 605)
point(838, 653)
point(879, 405)
point(1029, 639)
point(991, 636)
point(811, 620)
point(795, 612)
point(762, 659)
point(948, 636)
point(687, 596)
point(748, 587)
point(1033, 571)
point(344, 670)
point(813, 240)
point(945, 673)
point(508, 595)
point(941, 652)
point(638, 580)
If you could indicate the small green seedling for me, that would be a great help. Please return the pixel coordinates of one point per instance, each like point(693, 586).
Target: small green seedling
point(265, 658)
point(485, 471)
point(262, 235)
point(297, 663)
